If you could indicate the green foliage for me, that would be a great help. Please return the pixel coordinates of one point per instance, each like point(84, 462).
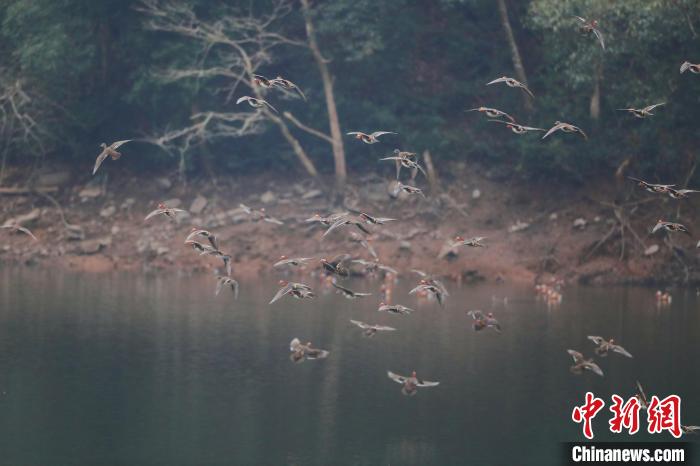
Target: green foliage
point(410, 67)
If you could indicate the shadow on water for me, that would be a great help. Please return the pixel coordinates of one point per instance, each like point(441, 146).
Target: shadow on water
point(127, 369)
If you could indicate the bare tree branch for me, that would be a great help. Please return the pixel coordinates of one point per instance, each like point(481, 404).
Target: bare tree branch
point(233, 46)
point(309, 130)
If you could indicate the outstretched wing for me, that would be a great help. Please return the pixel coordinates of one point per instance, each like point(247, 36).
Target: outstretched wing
point(425, 383)
point(497, 80)
point(360, 324)
point(115, 145)
point(376, 134)
point(100, 158)
point(339, 223)
point(593, 367)
point(552, 130)
point(578, 357)
point(283, 291)
point(619, 349)
point(641, 393)
point(153, 214)
point(396, 377)
point(599, 35)
point(597, 340)
point(384, 328)
point(652, 107)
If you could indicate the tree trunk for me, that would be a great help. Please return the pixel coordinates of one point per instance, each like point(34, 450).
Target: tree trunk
point(333, 121)
point(595, 97)
point(515, 54)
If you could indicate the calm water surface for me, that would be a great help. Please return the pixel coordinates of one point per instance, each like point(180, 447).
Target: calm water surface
point(139, 370)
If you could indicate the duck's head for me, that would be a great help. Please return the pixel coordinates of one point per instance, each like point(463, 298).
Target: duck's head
point(490, 314)
point(459, 238)
point(594, 23)
point(282, 282)
point(283, 257)
point(413, 373)
point(612, 341)
point(557, 122)
point(161, 205)
point(397, 152)
point(382, 304)
point(103, 146)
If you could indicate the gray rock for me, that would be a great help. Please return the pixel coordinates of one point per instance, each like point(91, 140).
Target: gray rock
point(312, 194)
point(580, 223)
point(90, 192)
point(92, 246)
point(198, 205)
point(405, 246)
point(108, 211)
point(163, 183)
point(24, 219)
point(58, 178)
point(651, 250)
point(476, 194)
point(268, 197)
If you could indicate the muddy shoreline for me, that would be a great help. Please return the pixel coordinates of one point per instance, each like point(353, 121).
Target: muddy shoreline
point(533, 232)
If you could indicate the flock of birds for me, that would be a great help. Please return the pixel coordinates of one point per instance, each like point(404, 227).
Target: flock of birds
point(337, 268)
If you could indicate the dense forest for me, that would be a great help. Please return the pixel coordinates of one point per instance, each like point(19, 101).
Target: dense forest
point(75, 73)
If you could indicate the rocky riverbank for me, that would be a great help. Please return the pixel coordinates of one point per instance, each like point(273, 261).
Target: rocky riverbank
point(589, 236)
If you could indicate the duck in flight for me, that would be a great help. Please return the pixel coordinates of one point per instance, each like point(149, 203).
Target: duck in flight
point(163, 210)
point(109, 151)
point(581, 364)
point(492, 113)
point(293, 261)
point(591, 27)
point(222, 282)
point(399, 187)
point(411, 383)
point(693, 68)
point(482, 321)
point(670, 226)
point(566, 128)
point(348, 293)
point(279, 82)
point(510, 82)
point(372, 330)
point(603, 346)
point(642, 112)
point(256, 103)
point(205, 234)
point(405, 160)
point(297, 290)
point(475, 242)
point(301, 352)
point(430, 288)
point(516, 128)
point(652, 187)
point(371, 138)
point(394, 309)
